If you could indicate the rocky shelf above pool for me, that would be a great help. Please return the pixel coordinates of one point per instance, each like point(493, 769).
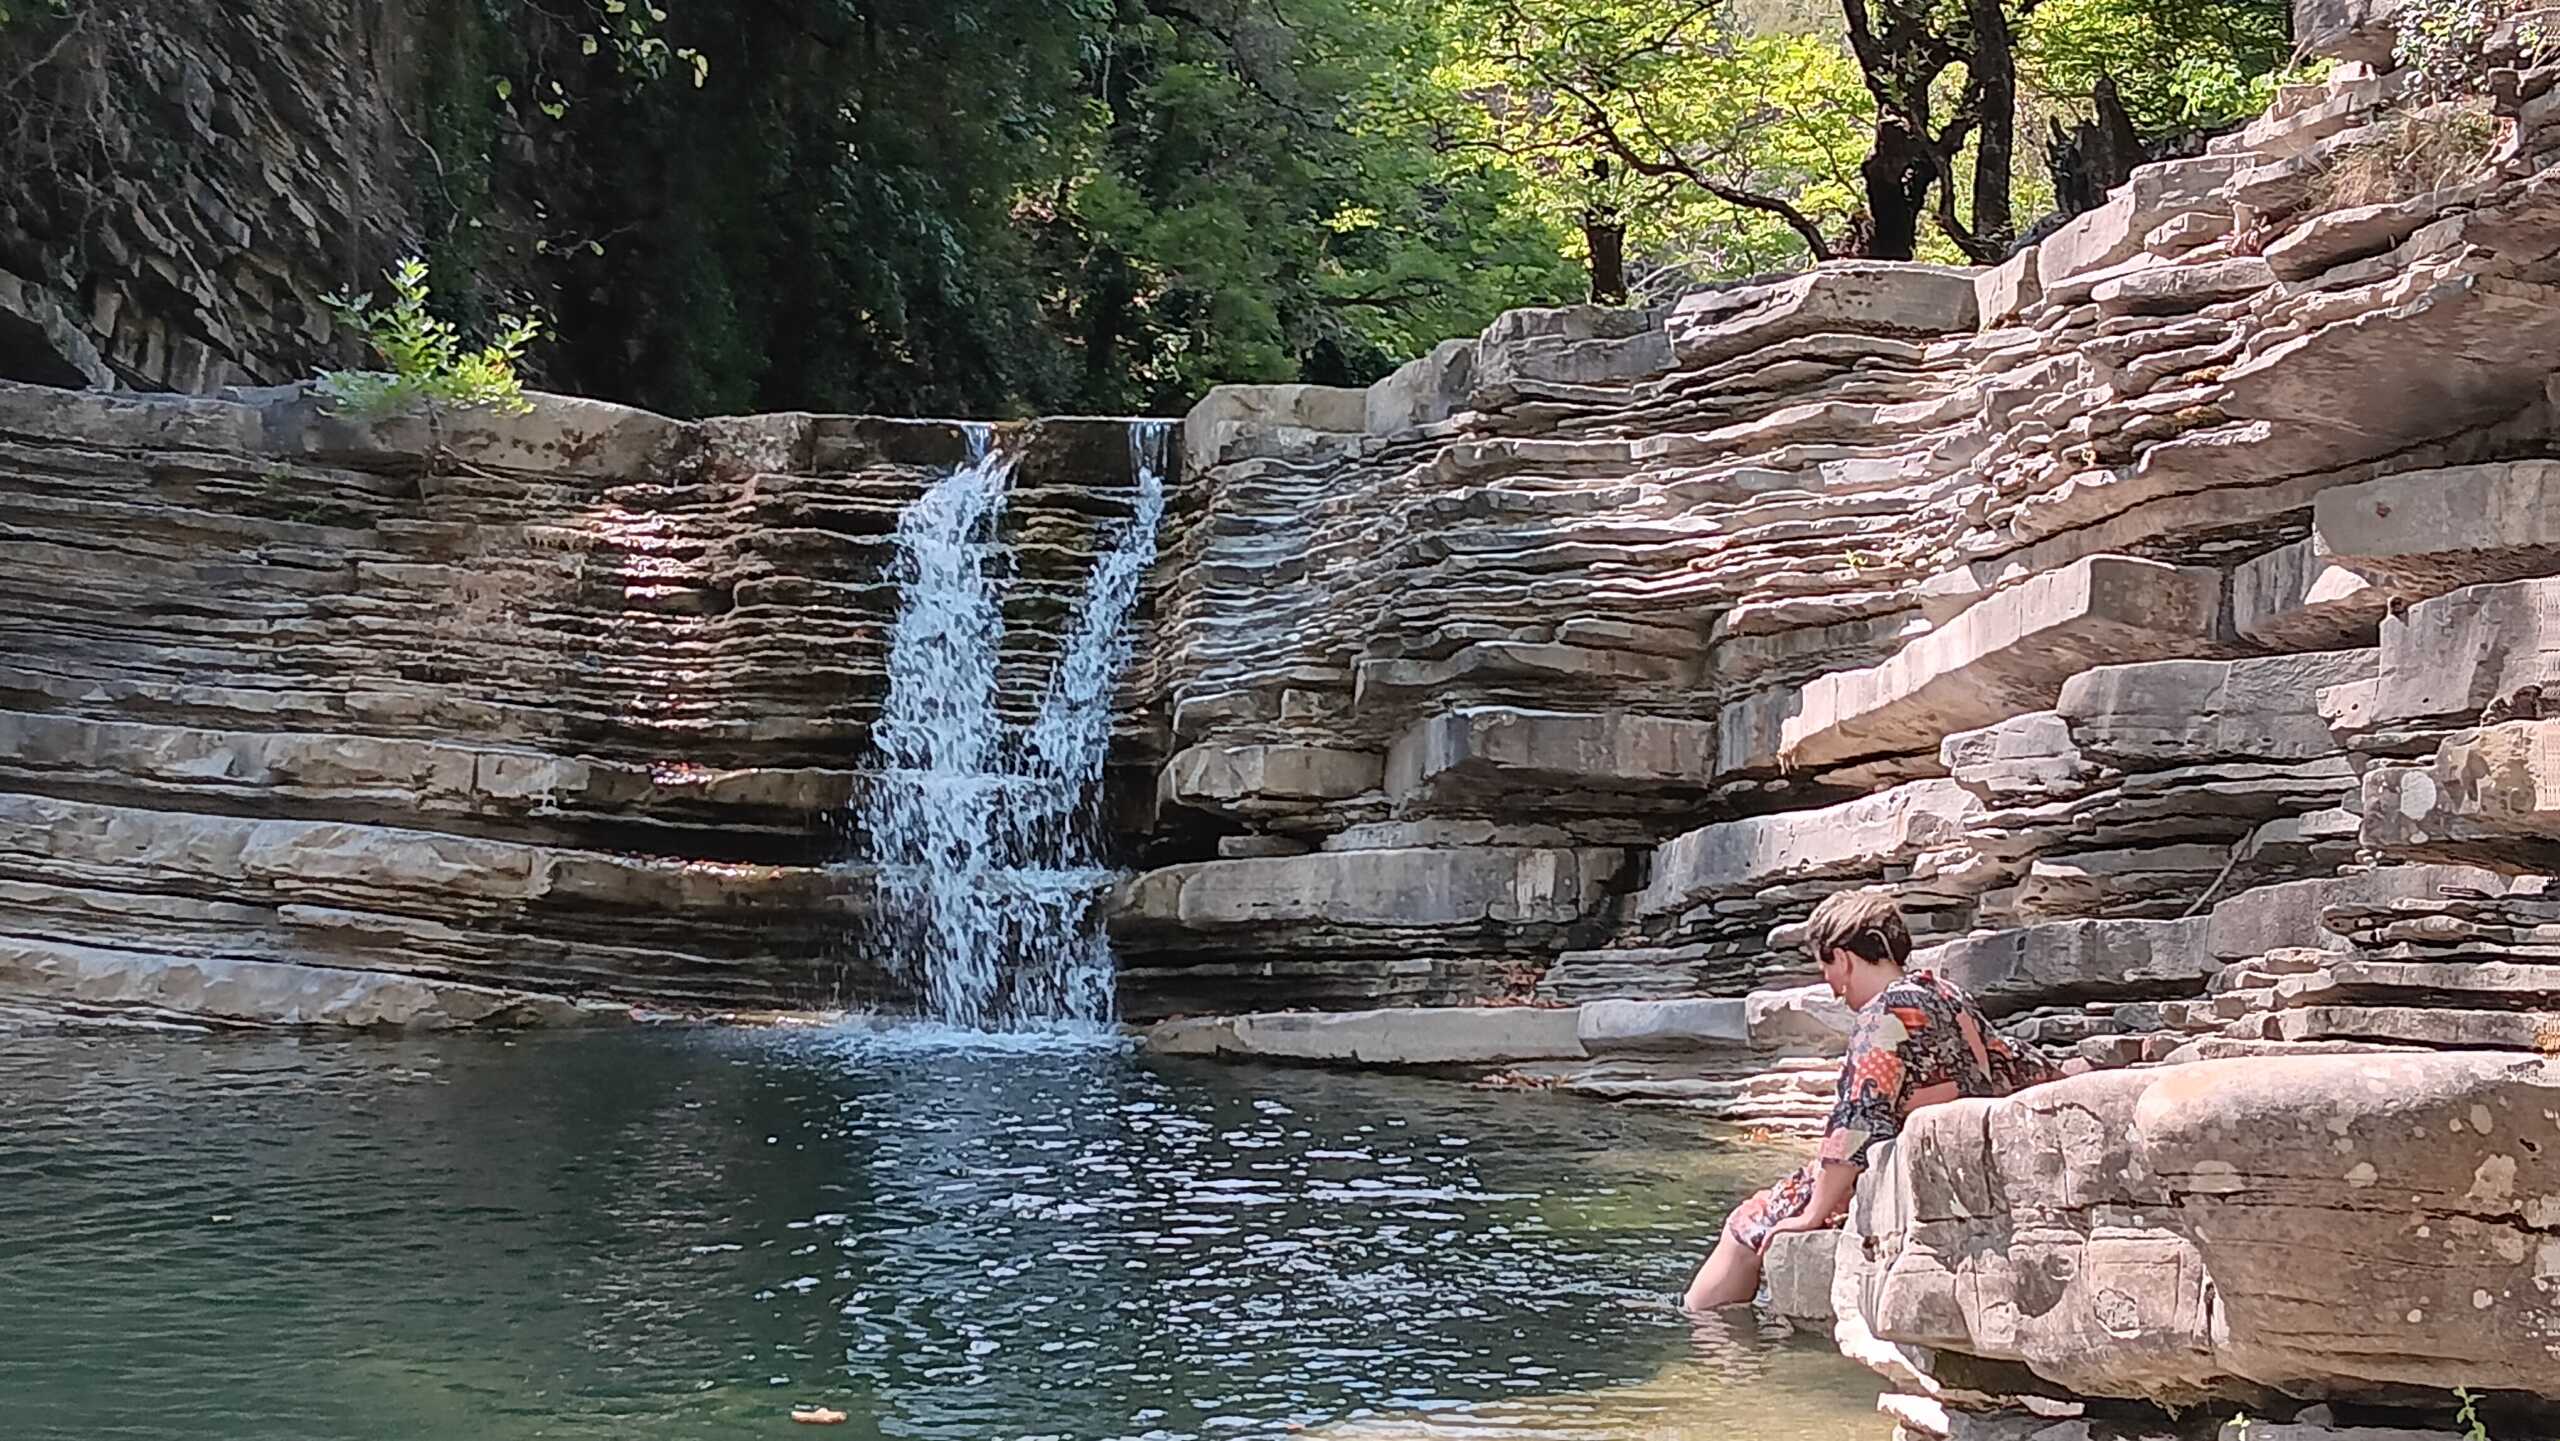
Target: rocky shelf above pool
point(533, 714)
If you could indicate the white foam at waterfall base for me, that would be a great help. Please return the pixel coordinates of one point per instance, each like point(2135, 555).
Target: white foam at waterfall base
point(982, 835)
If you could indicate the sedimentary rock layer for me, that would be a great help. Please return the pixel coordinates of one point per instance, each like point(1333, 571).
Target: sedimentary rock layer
point(2115, 583)
point(572, 702)
point(2150, 1233)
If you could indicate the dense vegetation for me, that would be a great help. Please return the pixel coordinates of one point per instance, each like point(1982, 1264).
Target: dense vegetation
point(920, 205)
point(983, 206)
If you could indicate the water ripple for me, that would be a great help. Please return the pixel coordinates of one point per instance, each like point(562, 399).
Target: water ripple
point(683, 1233)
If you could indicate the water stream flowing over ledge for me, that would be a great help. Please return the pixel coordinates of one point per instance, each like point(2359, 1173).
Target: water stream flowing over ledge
point(981, 832)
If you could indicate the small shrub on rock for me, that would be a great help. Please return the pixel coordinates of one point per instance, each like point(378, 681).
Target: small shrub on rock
point(429, 363)
point(2418, 152)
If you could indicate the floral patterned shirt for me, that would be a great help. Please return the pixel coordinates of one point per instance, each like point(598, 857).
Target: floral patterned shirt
point(1920, 1032)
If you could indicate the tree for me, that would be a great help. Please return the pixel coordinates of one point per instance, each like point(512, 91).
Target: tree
point(1907, 51)
point(1762, 122)
point(2173, 64)
point(1718, 150)
point(996, 206)
point(1268, 202)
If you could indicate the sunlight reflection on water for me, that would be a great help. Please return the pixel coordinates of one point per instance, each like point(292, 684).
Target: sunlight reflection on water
point(683, 1232)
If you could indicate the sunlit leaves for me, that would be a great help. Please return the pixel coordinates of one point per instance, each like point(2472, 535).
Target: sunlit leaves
point(1551, 86)
point(2175, 63)
point(427, 359)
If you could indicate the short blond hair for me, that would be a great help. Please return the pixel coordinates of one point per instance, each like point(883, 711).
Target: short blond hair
point(1863, 923)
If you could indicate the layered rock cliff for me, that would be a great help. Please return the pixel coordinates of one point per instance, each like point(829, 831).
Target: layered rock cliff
point(184, 183)
point(310, 720)
point(2165, 616)
point(2124, 580)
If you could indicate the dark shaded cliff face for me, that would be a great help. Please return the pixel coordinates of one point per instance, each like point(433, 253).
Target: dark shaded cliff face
point(180, 183)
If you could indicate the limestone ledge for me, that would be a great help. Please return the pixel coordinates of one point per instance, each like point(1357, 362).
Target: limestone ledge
point(1804, 1020)
point(1768, 1060)
point(566, 704)
point(61, 982)
point(2148, 571)
point(2355, 1228)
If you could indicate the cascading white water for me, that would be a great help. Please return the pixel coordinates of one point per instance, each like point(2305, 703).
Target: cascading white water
point(982, 833)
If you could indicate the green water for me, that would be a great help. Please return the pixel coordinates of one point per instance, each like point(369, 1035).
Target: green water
point(685, 1233)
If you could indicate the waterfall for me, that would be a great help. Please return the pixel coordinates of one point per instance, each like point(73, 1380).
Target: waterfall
point(982, 834)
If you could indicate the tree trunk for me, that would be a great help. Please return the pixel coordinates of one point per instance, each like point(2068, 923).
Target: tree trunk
point(1897, 172)
point(1606, 235)
point(2095, 156)
point(1993, 68)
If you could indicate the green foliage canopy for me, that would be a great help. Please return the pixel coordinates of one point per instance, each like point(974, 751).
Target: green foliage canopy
point(2177, 64)
point(997, 206)
point(1002, 206)
point(1705, 123)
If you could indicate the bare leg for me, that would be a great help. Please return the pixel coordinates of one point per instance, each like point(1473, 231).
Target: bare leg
point(1731, 1275)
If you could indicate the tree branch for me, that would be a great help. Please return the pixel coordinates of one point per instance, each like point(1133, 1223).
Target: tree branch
point(1604, 130)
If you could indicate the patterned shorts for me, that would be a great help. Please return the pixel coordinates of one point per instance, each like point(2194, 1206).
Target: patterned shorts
point(1783, 1201)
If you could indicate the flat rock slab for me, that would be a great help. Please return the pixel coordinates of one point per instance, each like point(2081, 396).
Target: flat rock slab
point(2173, 712)
point(2489, 343)
point(1799, 1019)
point(2473, 983)
point(2424, 1026)
point(2447, 659)
point(1856, 297)
point(2006, 655)
point(68, 980)
point(1268, 417)
point(1414, 1036)
point(2084, 960)
point(2269, 918)
point(1802, 1020)
point(2491, 794)
point(1238, 777)
point(1692, 1024)
point(2175, 289)
point(2115, 231)
point(1796, 1273)
point(1414, 887)
point(2432, 531)
point(1851, 838)
point(1471, 757)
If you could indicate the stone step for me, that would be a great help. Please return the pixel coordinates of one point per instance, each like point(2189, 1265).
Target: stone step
point(2008, 654)
point(2478, 985)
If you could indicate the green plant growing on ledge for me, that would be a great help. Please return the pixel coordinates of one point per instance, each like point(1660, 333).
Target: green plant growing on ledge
point(2467, 1416)
point(429, 363)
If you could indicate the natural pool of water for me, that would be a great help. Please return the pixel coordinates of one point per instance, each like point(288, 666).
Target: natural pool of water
point(679, 1233)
